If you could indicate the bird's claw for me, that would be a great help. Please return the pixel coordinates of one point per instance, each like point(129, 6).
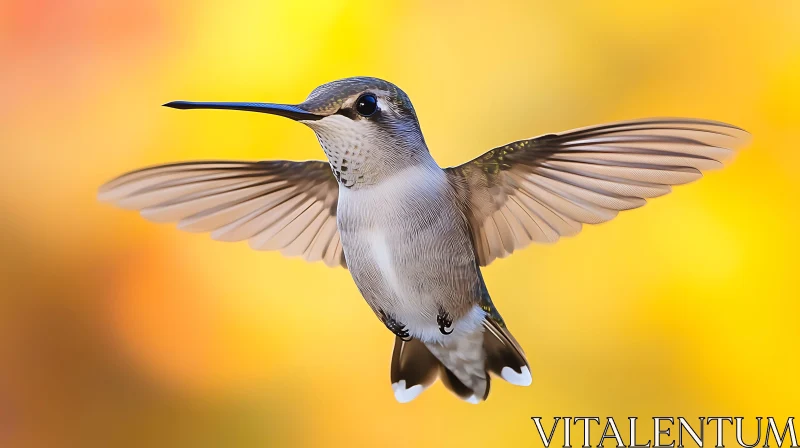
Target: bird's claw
point(445, 321)
point(403, 335)
point(395, 327)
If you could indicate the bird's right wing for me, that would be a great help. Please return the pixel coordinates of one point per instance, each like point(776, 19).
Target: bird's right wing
point(547, 187)
point(276, 205)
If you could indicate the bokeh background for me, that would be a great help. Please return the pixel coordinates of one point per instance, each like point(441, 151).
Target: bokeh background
point(118, 332)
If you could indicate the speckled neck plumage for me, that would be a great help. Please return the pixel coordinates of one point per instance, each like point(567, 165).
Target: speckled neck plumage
point(361, 155)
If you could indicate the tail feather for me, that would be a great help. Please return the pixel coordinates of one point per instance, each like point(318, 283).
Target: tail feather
point(414, 368)
point(463, 364)
point(454, 385)
point(504, 356)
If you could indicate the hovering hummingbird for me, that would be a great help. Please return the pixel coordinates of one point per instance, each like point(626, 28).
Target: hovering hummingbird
point(414, 236)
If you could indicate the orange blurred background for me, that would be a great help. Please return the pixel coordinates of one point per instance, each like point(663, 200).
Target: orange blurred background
point(119, 332)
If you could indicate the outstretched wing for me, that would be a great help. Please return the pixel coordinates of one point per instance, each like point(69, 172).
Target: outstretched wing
point(276, 205)
point(547, 187)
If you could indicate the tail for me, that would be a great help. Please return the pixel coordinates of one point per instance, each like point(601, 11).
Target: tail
point(463, 362)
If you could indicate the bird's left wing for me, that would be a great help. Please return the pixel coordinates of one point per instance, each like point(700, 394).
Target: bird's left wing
point(544, 188)
point(276, 205)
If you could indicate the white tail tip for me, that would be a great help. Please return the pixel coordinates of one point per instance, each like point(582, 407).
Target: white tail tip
point(519, 379)
point(404, 395)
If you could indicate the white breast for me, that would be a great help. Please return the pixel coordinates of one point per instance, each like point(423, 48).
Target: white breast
point(382, 257)
point(378, 216)
point(390, 232)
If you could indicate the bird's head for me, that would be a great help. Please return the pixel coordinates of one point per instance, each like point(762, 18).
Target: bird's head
point(366, 126)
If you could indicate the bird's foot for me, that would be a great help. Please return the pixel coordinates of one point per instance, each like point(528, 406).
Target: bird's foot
point(399, 329)
point(445, 322)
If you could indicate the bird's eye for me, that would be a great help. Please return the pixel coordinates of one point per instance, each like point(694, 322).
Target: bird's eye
point(366, 104)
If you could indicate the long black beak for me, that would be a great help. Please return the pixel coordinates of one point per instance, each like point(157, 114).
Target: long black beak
point(284, 110)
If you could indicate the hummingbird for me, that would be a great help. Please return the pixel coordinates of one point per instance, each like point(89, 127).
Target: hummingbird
point(414, 236)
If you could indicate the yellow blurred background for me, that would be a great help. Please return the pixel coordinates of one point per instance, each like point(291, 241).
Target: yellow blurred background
point(117, 332)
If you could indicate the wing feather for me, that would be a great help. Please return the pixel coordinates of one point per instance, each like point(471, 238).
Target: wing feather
point(276, 205)
point(547, 187)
